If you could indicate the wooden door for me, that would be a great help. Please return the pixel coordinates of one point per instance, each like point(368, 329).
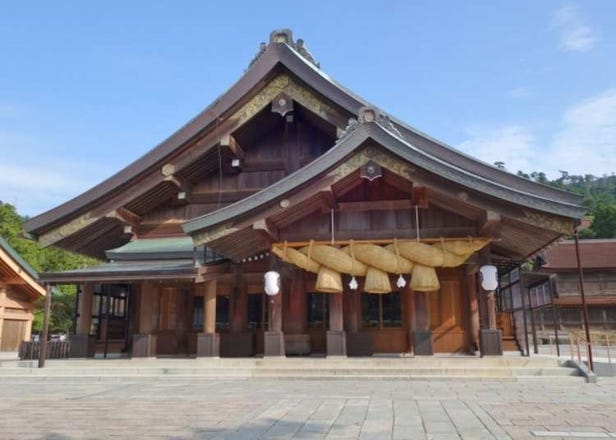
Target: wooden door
point(172, 337)
point(13, 332)
point(446, 317)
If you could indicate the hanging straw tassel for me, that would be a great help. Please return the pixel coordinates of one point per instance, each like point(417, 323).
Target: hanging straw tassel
point(328, 281)
point(377, 281)
point(424, 279)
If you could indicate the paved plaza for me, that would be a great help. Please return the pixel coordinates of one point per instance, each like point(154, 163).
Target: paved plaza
point(197, 408)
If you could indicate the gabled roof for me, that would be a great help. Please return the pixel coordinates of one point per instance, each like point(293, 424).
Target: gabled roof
point(18, 270)
point(594, 254)
point(391, 140)
point(272, 57)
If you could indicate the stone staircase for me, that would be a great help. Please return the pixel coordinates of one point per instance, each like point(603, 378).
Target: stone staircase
point(504, 369)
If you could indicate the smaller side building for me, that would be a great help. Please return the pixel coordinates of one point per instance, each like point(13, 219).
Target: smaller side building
point(598, 259)
point(19, 289)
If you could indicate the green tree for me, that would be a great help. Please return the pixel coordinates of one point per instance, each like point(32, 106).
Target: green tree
point(43, 260)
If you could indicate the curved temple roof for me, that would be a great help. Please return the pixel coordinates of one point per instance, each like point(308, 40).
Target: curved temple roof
point(294, 58)
point(394, 143)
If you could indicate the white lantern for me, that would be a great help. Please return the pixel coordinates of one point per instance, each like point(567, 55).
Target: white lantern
point(272, 283)
point(489, 277)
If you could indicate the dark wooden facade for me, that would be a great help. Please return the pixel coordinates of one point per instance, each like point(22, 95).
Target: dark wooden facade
point(282, 156)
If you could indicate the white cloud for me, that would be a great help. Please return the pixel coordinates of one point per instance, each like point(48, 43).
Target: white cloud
point(576, 35)
point(519, 92)
point(511, 144)
point(587, 142)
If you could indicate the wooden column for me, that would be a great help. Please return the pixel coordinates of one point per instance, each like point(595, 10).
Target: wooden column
point(86, 298)
point(273, 339)
point(2, 299)
point(408, 302)
point(208, 342)
point(490, 340)
point(471, 289)
point(422, 335)
point(45, 336)
point(336, 337)
point(145, 340)
point(295, 313)
point(239, 302)
point(82, 344)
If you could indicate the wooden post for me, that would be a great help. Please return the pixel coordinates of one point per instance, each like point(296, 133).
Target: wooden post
point(422, 335)
point(491, 302)
point(209, 302)
point(2, 298)
point(208, 343)
point(336, 337)
point(84, 321)
point(45, 336)
point(471, 288)
point(273, 339)
point(239, 300)
point(295, 313)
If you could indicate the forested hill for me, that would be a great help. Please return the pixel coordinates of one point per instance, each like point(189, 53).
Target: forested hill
point(599, 196)
point(41, 259)
point(44, 260)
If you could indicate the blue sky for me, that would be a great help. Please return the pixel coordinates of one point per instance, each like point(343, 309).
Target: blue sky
point(87, 88)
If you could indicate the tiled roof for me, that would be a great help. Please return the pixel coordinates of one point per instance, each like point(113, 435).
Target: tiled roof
point(594, 254)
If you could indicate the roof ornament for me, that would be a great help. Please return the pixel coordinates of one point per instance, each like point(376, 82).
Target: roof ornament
point(285, 36)
point(370, 114)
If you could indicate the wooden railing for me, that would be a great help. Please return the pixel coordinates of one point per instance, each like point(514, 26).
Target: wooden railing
point(55, 350)
point(598, 341)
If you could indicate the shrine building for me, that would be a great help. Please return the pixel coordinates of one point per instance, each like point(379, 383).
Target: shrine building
point(375, 237)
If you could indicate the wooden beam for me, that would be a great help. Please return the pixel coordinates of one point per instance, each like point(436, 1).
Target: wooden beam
point(230, 142)
point(126, 216)
point(226, 196)
point(266, 226)
point(184, 188)
point(14, 281)
point(490, 225)
point(377, 205)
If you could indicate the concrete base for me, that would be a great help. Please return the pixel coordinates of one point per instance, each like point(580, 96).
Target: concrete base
point(422, 343)
point(208, 345)
point(144, 345)
point(490, 342)
point(336, 343)
point(273, 344)
point(82, 346)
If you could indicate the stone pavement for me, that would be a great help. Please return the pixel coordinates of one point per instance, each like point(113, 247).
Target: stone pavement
point(197, 408)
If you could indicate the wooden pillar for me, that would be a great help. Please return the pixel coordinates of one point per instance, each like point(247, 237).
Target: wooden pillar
point(422, 335)
point(336, 337)
point(145, 341)
point(82, 344)
point(209, 305)
point(45, 336)
point(295, 313)
point(471, 289)
point(273, 339)
point(208, 342)
point(239, 302)
point(2, 299)
point(408, 301)
point(86, 298)
point(490, 340)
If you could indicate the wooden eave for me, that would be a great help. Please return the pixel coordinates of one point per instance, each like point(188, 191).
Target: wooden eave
point(14, 271)
point(255, 77)
point(401, 148)
point(529, 221)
